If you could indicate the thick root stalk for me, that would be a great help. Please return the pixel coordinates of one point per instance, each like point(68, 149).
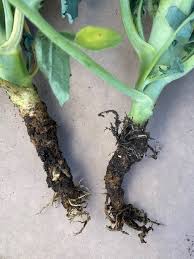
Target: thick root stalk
point(42, 130)
point(132, 145)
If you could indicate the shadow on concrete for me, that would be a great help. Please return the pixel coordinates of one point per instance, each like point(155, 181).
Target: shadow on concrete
point(172, 96)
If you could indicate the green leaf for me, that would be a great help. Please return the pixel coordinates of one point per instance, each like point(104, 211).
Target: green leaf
point(8, 18)
point(171, 62)
point(175, 17)
point(54, 64)
point(137, 10)
point(69, 9)
point(27, 44)
point(97, 38)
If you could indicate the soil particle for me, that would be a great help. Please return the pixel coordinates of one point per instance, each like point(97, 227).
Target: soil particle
point(190, 241)
point(132, 145)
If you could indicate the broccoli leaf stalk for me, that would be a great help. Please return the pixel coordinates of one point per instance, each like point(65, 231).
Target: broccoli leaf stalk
point(12, 62)
point(74, 51)
point(166, 56)
point(160, 64)
point(13, 69)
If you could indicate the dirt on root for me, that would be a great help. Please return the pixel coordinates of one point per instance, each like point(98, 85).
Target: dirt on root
point(42, 130)
point(132, 146)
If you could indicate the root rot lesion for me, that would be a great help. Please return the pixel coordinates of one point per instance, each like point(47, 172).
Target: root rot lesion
point(132, 145)
point(42, 130)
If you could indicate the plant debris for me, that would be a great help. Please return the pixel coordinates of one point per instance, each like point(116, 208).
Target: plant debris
point(190, 240)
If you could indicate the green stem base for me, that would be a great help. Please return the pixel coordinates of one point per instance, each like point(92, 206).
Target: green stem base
point(140, 113)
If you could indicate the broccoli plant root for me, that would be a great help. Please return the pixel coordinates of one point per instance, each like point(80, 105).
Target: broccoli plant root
point(42, 130)
point(132, 145)
point(43, 134)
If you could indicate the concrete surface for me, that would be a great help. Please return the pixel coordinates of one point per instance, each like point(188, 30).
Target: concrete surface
point(164, 188)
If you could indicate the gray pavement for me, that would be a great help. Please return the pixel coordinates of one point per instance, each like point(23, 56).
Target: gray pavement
point(164, 188)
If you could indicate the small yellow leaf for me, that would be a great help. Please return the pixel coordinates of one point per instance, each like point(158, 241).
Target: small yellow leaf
point(97, 38)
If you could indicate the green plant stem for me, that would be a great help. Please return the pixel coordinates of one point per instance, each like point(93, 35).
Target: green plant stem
point(140, 113)
point(8, 18)
point(16, 34)
point(144, 50)
point(2, 24)
point(139, 20)
point(13, 68)
point(74, 51)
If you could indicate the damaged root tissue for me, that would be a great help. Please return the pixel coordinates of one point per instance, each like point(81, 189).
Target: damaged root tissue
point(132, 145)
point(42, 130)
